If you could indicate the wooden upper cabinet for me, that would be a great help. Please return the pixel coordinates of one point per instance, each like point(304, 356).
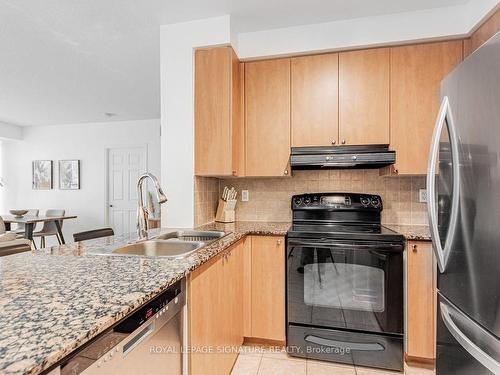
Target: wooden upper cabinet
point(267, 113)
point(489, 28)
point(218, 113)
point(315, 100)
point(364, 97)
point(416, 74)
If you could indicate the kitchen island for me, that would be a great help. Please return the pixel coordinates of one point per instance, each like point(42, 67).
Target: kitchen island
point(54, 300)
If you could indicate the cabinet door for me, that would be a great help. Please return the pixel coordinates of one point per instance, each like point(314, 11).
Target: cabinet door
point(421, 301)
point(268, 288)
point(315, 100)
point(218, 112)
point(267, 98)
point(364, 97)
point(233, 302)
point(247, 286)
point(416, 74)
point(206, 328)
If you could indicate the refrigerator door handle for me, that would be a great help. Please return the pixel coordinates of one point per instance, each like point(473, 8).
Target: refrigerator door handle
point(485, 359)
point(442, 253)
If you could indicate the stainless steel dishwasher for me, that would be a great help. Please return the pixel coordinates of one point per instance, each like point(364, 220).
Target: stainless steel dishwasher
point(147, 342)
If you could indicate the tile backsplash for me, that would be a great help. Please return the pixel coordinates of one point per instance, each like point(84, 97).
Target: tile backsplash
point(269, 198)
point(206, 198)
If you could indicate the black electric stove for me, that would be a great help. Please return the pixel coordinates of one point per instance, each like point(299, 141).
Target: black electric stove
point(344, 281)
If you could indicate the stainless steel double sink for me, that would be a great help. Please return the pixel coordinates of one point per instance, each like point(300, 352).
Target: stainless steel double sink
point(177, 244)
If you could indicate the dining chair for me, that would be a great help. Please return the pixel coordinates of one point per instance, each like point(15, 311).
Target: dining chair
point(20, 227)
point(92, 234)
point(49, 227)
point(9, 244)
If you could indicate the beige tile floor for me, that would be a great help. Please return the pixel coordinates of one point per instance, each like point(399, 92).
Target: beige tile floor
point(264, 361)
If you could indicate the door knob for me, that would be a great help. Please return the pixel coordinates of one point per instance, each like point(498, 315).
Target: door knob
point(110, 205)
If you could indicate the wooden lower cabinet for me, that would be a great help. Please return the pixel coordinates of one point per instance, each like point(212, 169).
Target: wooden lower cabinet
point(420, 302)
point(215, 312)
point(239, 293)
point(268, 288)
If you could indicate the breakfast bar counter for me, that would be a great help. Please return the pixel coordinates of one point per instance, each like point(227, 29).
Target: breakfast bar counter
point(54, 300)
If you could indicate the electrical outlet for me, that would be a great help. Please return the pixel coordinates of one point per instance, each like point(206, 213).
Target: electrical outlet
point(422, 195)
point(244, 196)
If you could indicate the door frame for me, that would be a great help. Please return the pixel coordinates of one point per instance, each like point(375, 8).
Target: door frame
point(107, 149)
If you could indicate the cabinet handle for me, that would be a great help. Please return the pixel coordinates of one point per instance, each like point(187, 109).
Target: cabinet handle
point(334, 141)
point(396, 171)
point(343, 141)
point(414, 248)
point(279, 242)
point(285, 172)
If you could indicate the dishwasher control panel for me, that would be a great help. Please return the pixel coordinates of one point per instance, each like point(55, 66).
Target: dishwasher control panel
point(151, 308)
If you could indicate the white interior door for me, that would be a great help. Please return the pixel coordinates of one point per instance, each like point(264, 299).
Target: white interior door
point(125, 165)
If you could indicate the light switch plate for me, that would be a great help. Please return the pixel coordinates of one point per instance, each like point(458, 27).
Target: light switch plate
point(422, 195)
point(244, 196)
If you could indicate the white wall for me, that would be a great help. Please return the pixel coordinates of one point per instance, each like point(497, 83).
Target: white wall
point(399, 28)
point(177, 42)
point(9, 131)
point(86, 142)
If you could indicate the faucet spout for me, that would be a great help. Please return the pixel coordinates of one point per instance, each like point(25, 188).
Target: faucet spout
point(142, 212)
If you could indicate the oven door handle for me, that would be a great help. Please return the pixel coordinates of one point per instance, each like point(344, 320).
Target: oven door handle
point(358, 346)
point(386, 246)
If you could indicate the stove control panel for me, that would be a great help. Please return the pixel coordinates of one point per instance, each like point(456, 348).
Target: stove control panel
point(340, 201)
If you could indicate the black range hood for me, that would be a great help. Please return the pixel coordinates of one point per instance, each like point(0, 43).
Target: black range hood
point(367, 156)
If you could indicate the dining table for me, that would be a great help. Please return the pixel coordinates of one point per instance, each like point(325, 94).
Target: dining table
point(31, 221)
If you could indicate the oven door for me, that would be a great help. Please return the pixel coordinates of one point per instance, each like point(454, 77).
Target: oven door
point(345, 284)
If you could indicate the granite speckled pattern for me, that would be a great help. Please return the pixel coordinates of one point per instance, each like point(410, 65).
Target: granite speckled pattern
point(54, 300)
point(412, 232)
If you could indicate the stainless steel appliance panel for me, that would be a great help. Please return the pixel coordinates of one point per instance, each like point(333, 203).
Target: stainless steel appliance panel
point(149, 341)
point(464, 347)
point(467, 237)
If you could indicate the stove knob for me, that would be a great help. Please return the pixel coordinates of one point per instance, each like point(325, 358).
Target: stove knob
point(297, 201)
point(365, 201)
point(375, 202)
point(307, 200)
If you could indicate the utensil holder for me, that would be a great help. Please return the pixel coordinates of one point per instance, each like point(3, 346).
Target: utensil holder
point(225, 211)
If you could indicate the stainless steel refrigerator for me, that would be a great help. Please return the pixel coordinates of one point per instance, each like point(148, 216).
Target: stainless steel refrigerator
point(463, 185)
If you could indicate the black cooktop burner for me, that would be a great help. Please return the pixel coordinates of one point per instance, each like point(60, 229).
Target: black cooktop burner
point(339, 228)
point(343, 216)
point(344, 232)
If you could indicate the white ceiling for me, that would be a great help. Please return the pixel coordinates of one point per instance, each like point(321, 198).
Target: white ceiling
point(70, 61)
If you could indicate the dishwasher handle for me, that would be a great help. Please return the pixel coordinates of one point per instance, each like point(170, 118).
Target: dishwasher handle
point(135, 340)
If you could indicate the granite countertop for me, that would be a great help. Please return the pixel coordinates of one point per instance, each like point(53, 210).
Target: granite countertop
point(412, 232)
point(54, 300)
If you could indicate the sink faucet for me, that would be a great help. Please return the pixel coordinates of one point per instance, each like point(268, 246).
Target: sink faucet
point(142, 212)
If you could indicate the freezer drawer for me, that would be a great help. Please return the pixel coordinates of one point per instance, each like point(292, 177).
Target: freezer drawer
point(346, 347)
point(464, 347)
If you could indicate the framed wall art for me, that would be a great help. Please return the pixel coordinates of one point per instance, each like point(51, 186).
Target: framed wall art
point(69, 174)
point(42, 173)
